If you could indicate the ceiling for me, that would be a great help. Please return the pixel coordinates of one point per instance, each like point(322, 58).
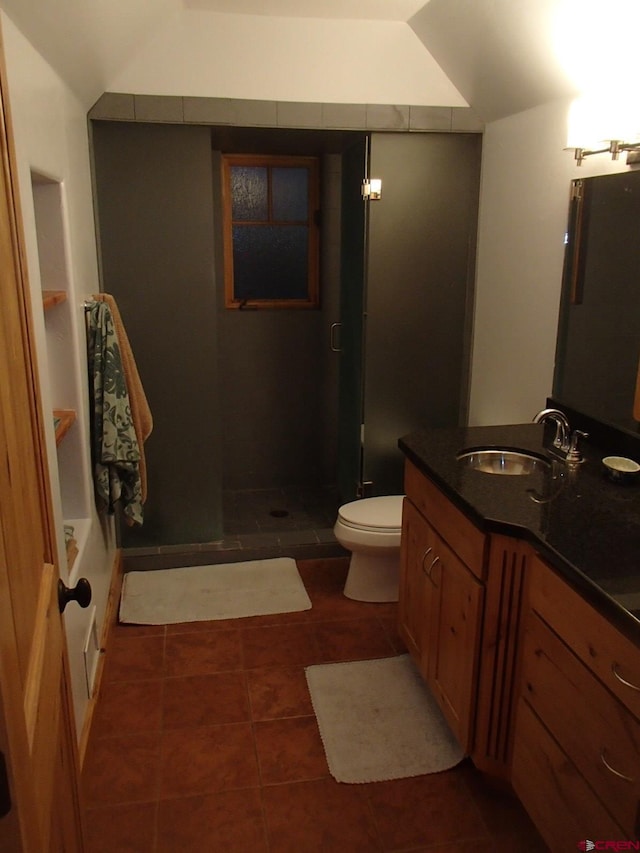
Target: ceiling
point(499, 54)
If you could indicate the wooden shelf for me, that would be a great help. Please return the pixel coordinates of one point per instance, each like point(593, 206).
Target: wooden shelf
point(72, 553)
point(53, 297)
point(63, 420)
point(75, 539)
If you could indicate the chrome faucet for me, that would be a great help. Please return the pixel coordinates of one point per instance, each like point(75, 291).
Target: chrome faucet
point(564, 440)
point(561, 440)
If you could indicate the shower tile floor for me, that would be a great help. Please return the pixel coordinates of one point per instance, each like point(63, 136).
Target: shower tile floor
point(258, 524)
point(279, 518)
point(204, 740)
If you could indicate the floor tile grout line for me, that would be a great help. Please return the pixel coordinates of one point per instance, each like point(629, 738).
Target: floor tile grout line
point(265, 821)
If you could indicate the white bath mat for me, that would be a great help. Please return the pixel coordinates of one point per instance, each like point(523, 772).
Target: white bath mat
point(378, 721)
point(225, 591)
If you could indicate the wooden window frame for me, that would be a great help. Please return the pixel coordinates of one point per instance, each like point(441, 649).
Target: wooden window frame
point(312, 299)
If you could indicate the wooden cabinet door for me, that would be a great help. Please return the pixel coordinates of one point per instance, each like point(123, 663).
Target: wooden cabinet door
point(559, 801)
point(455, 632)
point(39, 808)
point(415, 598)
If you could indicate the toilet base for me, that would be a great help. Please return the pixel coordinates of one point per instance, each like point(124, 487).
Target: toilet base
point(373, 578)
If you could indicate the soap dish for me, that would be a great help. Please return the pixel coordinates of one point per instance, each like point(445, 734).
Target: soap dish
point(620, 469)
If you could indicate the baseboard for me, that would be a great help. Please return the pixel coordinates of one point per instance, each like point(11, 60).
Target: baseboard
point(110, 617)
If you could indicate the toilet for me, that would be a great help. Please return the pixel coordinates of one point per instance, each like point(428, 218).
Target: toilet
point(370, 528)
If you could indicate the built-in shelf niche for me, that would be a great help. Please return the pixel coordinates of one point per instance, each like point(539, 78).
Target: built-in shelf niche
point(60, 368)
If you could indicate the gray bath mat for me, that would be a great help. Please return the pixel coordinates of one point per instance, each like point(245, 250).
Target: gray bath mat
point(378, 721)
point(225, 591)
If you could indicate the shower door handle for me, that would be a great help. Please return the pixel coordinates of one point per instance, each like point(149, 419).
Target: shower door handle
point(333, 336)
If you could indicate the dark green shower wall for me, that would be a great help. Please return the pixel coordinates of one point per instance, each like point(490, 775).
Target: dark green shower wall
point(155, 222)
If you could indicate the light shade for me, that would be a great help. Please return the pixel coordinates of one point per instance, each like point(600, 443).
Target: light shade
point(595, 120)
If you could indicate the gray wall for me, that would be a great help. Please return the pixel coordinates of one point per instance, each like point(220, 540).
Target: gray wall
point(155, 222)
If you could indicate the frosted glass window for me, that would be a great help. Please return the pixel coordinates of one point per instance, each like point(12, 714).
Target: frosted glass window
point(290, 194)
point(270, 231)
point(270, 263)
point(249, 193)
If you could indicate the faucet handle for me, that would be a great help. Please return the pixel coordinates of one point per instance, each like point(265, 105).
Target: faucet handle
point(573, 453)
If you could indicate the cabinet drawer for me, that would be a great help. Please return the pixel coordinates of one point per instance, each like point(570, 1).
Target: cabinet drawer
point(595, 730)
point(462, 535)
point(560, 803)
point(613, 658)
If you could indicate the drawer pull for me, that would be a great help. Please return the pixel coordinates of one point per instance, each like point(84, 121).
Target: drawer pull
point(622, 680)
point(611, 769)
point(424, 557)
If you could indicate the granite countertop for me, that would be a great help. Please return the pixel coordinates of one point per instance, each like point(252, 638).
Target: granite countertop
point(584, 525)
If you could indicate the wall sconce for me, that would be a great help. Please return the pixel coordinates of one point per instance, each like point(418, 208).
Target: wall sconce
point(372, 189)
point(613, 147)
point(602, 126)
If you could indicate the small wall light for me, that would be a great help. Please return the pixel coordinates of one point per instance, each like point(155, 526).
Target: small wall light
point(372, 189)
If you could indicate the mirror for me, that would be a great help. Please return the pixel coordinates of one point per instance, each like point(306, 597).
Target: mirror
point(598, 344)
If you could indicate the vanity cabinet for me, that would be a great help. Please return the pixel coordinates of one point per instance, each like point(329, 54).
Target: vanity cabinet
point(576, 751)
point(441, 599)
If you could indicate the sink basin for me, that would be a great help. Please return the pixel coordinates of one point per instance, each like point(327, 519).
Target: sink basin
point(496, 460)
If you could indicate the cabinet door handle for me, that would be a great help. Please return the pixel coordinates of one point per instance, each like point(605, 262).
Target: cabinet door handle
point(424, 557)
point(435, 560)
point(614, 670)
point(611, 769)
point(333, 346)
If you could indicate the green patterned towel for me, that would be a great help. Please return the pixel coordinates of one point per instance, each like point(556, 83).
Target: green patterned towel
point(115, 450)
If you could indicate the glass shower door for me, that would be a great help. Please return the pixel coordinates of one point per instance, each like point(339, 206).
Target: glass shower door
point(419, 293)
point(351, 338)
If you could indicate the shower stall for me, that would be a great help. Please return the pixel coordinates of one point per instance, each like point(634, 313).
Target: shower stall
point(265, 420)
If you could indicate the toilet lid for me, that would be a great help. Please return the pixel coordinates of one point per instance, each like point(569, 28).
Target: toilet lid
point(383, 513)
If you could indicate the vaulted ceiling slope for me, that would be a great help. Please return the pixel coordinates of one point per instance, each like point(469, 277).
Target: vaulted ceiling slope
point(87, 41)
point(498, 54)
point(501, 55)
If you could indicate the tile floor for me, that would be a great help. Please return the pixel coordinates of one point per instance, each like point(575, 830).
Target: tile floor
point(204, 741)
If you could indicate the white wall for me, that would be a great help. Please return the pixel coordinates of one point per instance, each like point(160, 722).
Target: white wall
point(523, 216)
point(50, 134)
point(204, 54)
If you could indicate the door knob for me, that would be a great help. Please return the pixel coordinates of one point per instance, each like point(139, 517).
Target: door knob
point(81, 593)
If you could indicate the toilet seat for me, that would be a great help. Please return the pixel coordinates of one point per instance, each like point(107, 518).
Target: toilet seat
point(373, 515)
